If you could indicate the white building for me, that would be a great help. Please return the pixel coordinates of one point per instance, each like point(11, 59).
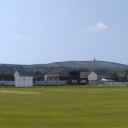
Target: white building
point(23, 79)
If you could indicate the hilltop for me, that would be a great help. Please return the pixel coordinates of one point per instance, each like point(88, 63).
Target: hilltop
point(92, 65)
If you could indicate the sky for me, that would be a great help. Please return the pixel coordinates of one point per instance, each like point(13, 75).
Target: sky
point(46, 31)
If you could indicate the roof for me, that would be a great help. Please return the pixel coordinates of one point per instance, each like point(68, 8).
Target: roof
point(84, 74)
point(27, 73)
point(5, 70)
point(102, 73)
point(56, 70)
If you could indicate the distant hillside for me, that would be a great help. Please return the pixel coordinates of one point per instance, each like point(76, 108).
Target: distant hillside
point(92, 65)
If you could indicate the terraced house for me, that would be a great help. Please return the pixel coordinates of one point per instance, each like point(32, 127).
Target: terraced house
point(94, 77)
point(57, 74)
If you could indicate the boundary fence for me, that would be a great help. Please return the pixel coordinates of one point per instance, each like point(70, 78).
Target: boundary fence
point(116, 83)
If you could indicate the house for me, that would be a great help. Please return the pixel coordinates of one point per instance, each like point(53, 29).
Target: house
point(94, 77)
point(102, 75)
point(90, 76)
point(121, 76)
point(74, 77)
point(57, 74)
point(6, 73)
point(84, 74)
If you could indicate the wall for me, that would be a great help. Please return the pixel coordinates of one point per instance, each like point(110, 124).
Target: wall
point(103, 77)
point(10, 83)
point(50, 83)
point(93, 82)
point(16, 74)
point(92, 76)
point(52, 78)
point(7, 83)
point(116, 83)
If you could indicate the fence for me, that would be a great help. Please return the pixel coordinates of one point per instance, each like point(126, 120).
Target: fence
point(93, 82)
point(7, 83)
point(50, 83)
point(11, 83)
point(116, 83)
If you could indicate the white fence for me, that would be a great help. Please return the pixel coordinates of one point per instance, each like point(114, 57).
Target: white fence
point(7, 83)
point(50, 83)
point(116, 83)
point(11, 83)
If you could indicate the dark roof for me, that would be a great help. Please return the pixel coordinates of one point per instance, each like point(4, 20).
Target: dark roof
point(5, 70)
point(56, 70)
point(85, 74)
point(27, 73)
point(102, 73)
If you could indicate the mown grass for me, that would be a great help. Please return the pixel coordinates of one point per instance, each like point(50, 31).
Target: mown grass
point(64, 107)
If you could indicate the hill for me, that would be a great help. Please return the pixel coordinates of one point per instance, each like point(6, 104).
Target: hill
point(91, 65)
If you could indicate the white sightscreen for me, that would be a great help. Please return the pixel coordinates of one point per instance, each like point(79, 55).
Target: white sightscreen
point(24, 82)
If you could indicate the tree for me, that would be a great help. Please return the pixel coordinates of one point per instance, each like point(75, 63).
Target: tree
point(114, 76)
point(38, 73)
point(100, 70)
point(84, 70)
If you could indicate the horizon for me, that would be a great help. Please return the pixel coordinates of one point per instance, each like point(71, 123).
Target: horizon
point(65, 61)
point(44, 31)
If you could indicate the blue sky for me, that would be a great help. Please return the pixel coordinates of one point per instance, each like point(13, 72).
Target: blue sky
point(45, 31)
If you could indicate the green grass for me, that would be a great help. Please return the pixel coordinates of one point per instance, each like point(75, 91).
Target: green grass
point(64, 107)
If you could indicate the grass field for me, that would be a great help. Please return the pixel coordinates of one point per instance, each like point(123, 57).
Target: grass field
point(64, 107)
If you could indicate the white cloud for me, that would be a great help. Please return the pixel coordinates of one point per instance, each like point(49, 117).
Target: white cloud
point(98, 27)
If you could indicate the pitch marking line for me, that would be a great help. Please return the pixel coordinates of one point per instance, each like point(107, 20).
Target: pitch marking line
point(18, 92)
